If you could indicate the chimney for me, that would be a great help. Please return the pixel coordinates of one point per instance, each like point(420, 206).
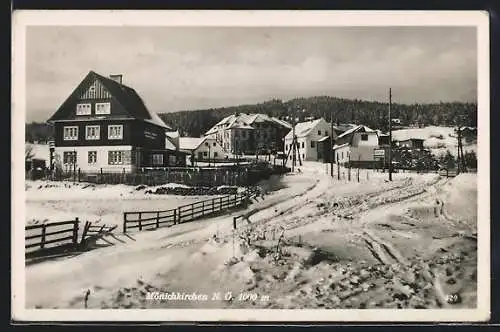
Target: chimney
point(117, 78)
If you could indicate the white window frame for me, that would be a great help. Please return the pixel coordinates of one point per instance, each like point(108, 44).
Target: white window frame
point(115, 157)
point(83, 109)
point(115, 136)
point(97, 133)
point(107, 109)
point(92, 160)
point(73, 137)
point(72, 155)
point(157, 159)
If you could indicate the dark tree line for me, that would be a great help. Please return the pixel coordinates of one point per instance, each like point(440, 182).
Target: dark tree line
point(373, 114)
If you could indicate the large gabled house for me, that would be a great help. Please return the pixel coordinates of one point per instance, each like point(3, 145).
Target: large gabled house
point(313, 140)
point(104, 125)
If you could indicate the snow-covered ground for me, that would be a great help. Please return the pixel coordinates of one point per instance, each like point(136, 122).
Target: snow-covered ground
point(437, 139)
point(311, 242)
point(49, 201)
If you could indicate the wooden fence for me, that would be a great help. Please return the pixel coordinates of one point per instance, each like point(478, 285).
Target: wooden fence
point(62, 235)
point(44, 236)
point(148, 220)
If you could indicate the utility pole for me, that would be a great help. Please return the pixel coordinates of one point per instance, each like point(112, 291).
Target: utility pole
point(390, 136)
point(331, 145)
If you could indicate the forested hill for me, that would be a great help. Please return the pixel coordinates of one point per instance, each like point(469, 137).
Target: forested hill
point(373, 114)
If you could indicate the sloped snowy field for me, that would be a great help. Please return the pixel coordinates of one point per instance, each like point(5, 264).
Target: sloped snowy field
point(313, 243)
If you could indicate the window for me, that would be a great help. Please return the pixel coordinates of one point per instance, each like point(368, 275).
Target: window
point(83, 109)
point(364, 137)
point(313, 144)
point(102, 108)
point(342, 155)
point(204, 153)
point(214, 144)
point(69, 157)
point(303, 157)
point(302, 145)
point(92, 158)
point(319, 132)
point(92, 132)
point(115, 157)
point(216, 154)
point(157, 159)
point(206, 143)
point(70, 133)
point(115, 131)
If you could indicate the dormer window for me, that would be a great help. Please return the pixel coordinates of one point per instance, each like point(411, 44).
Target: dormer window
point(83, 109)
point(102, 108)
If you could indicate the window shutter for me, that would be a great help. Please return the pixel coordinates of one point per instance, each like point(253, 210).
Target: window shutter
point(110, 157)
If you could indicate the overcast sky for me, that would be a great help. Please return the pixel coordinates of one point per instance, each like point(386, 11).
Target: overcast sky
point(190, 68)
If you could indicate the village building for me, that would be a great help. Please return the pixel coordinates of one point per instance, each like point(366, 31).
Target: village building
point(312, 140)
point(201, 148)
point(356, 147)
point(411, 143)
point(249, 133)
point(104, 125)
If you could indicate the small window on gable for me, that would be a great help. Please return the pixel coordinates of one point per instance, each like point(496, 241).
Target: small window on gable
point(115, 132)
point(313, 144)
point(70, 133)
point(92, 132)
point(319, 132)
point(214, 144)
point(83, 109)
point(364, 137)
point(103, 108)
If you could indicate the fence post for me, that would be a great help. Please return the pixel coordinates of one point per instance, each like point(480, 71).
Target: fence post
point(124, 222)
point(192, 211)
point(213, 205)
point(179, 216)
point(202, 208)
point(79, 174)
point(158, 219)
point(140, 221)
point(358, 173)
point(75, 231)
point(42, 242)
point(175, 216)
point(102, 178)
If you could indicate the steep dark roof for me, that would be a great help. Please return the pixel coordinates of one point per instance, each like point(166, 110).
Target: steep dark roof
point(125, 95)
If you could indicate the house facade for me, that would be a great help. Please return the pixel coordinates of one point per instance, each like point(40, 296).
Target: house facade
point(311, 136)
point(105, 126)
point(249, 133)
point(356, 147)
point(201, 148)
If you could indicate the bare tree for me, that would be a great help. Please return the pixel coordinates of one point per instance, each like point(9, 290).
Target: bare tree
point(28, 152)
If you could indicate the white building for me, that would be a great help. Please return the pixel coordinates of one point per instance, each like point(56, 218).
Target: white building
point(308, 134)
point(202, 148)
point(356, 145)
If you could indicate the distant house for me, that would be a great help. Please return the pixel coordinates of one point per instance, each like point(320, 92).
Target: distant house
point(105, 125)
point(201, 148)
point(411, 143)
point(356, 146)
point(249, 133)
point(308, 135)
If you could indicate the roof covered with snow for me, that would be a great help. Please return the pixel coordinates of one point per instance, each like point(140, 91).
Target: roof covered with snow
point(245, 121)
point(304, 128)
point(190, 143)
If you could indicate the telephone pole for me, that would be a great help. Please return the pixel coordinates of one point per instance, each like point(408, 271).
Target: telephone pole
point(390, 136)
point(293, 140)
point(331, 145)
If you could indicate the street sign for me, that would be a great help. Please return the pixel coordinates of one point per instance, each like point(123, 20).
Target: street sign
point(379, 153)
